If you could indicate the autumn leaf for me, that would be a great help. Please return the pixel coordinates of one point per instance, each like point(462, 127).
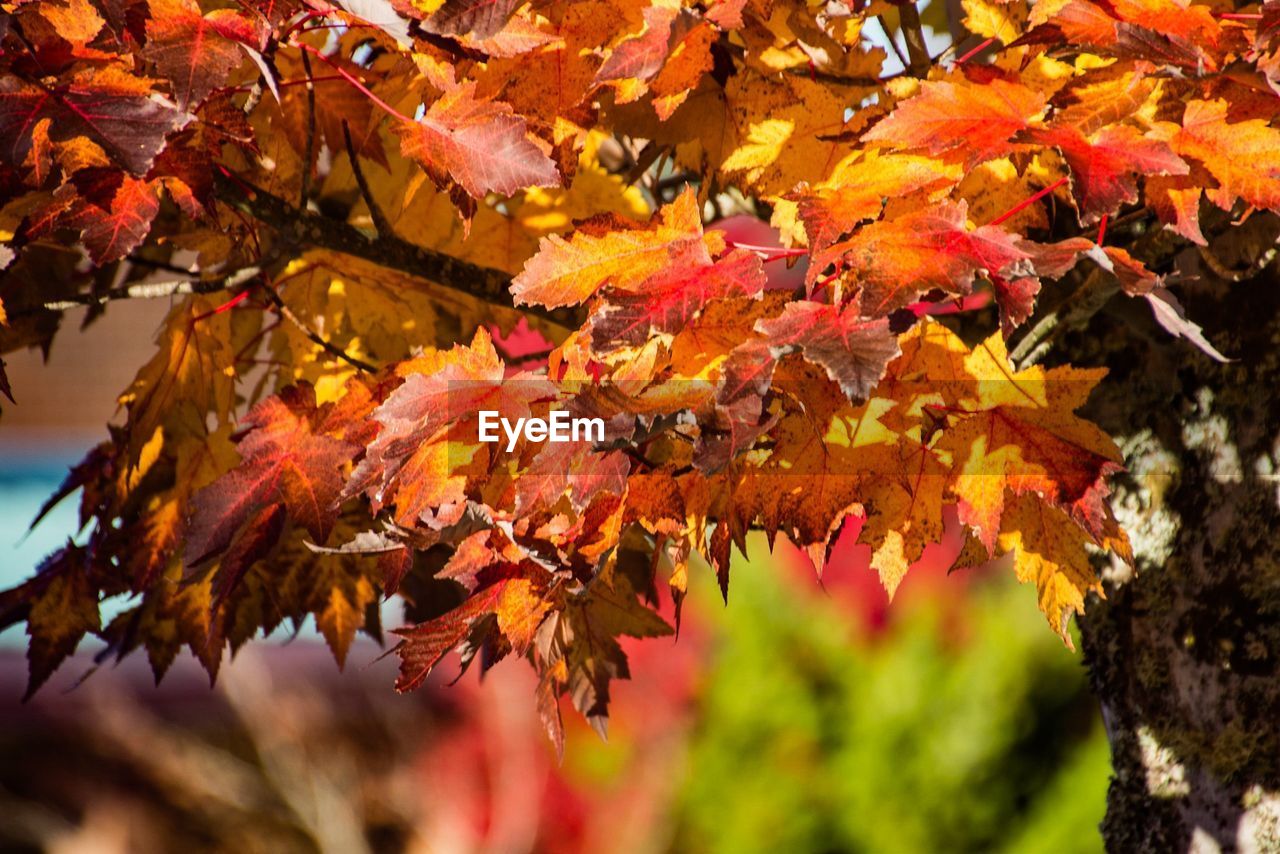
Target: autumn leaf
point(893, 262)
point(194, 363)
point(287, 460)
point(977, 122)
point(113, 212)
point(60, 606)
point(1049, 551)
point(850, 348)
point(1020, 433)
point(567, 271)
point(578, 648)
point(1243, 156)
point(109, 107)
point(642, 56)
point(480, 144)
point(667, 301)
point(467, 17)
point(194, 51)
point(857, 193)
point(413, 460)
point(1105, 169)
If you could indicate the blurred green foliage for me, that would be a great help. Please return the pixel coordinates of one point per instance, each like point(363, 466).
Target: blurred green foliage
point(964, 727)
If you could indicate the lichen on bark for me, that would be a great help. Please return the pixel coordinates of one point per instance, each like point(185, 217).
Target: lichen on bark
point(1184, 653)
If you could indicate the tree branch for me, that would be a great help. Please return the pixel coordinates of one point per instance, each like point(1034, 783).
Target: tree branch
point(913, 32)
point(893, 42)
point(150, 290)
point(303, 229)
point(380, 222)
point(308, 159)
point(1076, 310)
point(332, 349)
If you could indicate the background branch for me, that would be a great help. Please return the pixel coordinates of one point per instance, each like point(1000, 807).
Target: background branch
point(299, 229)
point(273, 296)
point(380, 222)
point(150, 290)
point(913, 32)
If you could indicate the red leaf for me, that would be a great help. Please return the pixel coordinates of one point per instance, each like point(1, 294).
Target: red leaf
point(442, 389)
point(426, 643)
point(977, 119)
point(482, 145)
point(853, 350)
point(1104, 169)
point(109, 106)
point(667, 302)
point(286, 460)
point(642, 56)
point(195, 52)
point(113, 213)
point(894, 262)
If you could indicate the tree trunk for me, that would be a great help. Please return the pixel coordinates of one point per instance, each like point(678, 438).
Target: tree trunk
point(1184, 654)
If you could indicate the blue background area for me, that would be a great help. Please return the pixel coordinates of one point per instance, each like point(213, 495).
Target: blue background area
point(26, 481)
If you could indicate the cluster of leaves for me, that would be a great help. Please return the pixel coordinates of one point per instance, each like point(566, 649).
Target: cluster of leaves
point(349, 188)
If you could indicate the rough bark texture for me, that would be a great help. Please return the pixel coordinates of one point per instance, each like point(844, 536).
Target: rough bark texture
point(1184, 654)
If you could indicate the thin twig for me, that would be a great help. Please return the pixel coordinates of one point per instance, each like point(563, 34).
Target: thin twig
point(380, 222)
point(309, 157)
point(1098, 288)
point(159, 265)
point(255, 96)
point(332, 349)
point(913, 32)
point(893, 42)
point(150, 290)
point(300, 229)
point(1222, 271)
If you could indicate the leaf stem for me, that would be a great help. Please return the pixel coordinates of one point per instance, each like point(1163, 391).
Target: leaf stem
point(350, 78)
point(970, 54)
point(1025, 203)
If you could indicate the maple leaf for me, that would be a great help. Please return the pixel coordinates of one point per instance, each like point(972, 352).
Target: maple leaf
point(195, 363)
point(412, 461)
point(977, 121)
point(194, 51)
point(477, 18)
point(170, 616)
point(1104, 169)
point(288, 460)
point(571, 469)
point(776, 132)
point(853, 350)
point(113, 212)
point(1020, 433)
point(514, 595)
point(567, 271)
point(815, 471)
point(577, 647)
point(108, 106)
point(667, 301)
point(60, 606)
point(339, 588)
point(857, 193)
point(894, 261)
point(642, 56)
point(483, 145)
point(1049, 551)
point(1243, 156)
